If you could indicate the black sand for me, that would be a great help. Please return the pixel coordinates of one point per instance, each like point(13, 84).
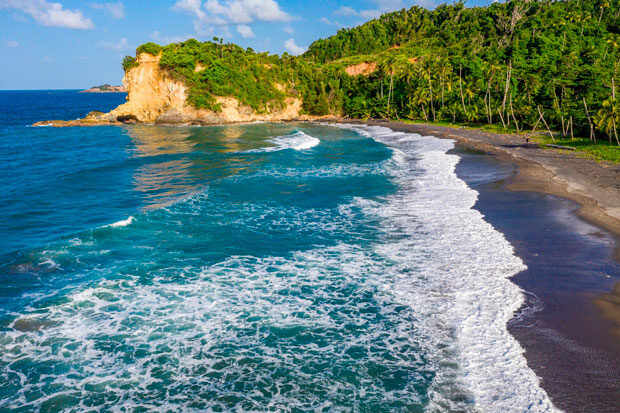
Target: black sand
point(568, 343)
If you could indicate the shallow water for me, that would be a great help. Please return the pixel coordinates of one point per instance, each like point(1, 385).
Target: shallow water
point(256, 267)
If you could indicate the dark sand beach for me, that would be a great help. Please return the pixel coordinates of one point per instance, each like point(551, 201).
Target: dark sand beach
point(561, 212)
point(568, 343)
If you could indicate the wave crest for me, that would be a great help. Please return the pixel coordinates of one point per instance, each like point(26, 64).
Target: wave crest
point(298, 141)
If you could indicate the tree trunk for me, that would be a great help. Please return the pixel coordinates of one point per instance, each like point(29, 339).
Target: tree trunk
point(536, 124)
point(490, 100)
point(572, 136)
point(461, 88)
point(545, 122)
point(390, 90)
point(486, 107)
point(430, 88)
point(592, 135)
point(615, 131)
point(501, 117)
point(442, 91)
point(513, 115)
point(508, 76)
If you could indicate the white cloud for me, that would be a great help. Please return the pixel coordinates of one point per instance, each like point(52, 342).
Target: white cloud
point(329, 22)
point(190, 6)
point(233, 11)
point(293, 48)
point(119, 46)
point(371, 14)
point(288, 29)
point(11, 43)
point(345, 11)
point(116, 10)
point(225, 13)
point(157, 36)
point(49, 14)
point(206, 29)
point(382, 6)
point(247, 11)
point(245, 31)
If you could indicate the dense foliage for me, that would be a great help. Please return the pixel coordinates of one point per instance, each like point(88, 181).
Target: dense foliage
point(129, 62)
point(213, 69)
point(549, 65)
point(151, 48)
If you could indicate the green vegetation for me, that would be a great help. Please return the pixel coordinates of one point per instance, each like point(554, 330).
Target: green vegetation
point(228, 70)
point(601, 151)
point(104, 88)
point(129, 62)
point(150, 48)
point(519, 65)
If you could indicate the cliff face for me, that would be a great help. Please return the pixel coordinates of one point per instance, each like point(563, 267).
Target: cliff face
point(153, 96)
point(150, 92)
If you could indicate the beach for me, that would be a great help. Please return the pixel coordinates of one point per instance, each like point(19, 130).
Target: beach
point(594, 186)
point(557, 210)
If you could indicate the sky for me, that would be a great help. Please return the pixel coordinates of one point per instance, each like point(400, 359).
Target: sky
point(70, 44)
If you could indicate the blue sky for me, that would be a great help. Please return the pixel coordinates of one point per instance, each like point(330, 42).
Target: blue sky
point(69, 44)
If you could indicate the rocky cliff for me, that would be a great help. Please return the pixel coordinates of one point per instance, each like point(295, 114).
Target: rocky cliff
point(154, 96)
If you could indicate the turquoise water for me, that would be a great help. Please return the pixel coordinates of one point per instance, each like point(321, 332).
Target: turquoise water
point(262, 267)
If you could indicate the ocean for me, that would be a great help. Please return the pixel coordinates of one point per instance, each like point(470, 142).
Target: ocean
point(258, 267)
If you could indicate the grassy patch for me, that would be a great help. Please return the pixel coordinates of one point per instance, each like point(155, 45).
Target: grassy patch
point(483, 127)
point(601, 151)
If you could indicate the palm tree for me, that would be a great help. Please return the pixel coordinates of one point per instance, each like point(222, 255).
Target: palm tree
point(428, 68)
point(420, 98)
point(443, 69)
point(396, 66)
point(388, 65)
point(608, 118)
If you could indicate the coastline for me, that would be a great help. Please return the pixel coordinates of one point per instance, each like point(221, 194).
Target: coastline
point(594, 186)
point(570, 347)
point(546, 207)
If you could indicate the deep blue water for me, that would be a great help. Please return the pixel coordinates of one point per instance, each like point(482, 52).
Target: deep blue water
point(294, 267)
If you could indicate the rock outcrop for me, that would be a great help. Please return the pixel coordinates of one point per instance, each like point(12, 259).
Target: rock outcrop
point(155, 97)
point(364, 68)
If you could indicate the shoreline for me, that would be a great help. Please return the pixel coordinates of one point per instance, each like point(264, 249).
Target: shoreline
point(569, 326)
point(546, 171)
point(567, 344)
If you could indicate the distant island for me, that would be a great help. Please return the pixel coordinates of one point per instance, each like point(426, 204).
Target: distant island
point(105, 89)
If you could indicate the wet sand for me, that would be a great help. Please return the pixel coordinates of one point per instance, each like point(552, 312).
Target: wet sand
point(570, 346)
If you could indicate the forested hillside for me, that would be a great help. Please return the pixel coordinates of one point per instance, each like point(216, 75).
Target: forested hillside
point(521, 64)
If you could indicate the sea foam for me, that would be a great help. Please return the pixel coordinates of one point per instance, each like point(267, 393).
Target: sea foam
point(455, 273)
point(122, 223)
point(298, 141)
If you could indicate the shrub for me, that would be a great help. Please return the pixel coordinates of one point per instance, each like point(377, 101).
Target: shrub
point(150, 48)
point(129, 62)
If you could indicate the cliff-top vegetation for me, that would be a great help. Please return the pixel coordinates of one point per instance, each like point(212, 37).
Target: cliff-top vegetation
point(544, 65)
